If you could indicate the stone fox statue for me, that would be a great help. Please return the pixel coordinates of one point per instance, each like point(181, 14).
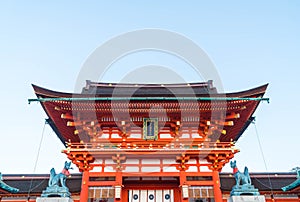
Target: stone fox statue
point(240, 178)
point(55, 179)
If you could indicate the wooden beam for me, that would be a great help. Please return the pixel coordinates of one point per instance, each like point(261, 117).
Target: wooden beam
point(66, 116)
point(233, 116)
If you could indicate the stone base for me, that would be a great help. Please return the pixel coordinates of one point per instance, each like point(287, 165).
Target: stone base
point(247, 199)
point(54, 199)
point(244, 190)
point(56, 191)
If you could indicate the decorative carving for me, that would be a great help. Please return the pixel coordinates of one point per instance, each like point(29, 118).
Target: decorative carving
point(183, 159)
point(6, 187)
point(218, 160)
point(118, 159)
point(57, 183)
point(82, 160)
point(243, 182)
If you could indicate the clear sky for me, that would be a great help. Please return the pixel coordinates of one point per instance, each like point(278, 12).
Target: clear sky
point(250, 42)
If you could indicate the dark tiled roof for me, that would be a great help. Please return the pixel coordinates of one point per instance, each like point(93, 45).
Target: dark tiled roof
point(262, 181)
point(141, 90)
point(36, 183)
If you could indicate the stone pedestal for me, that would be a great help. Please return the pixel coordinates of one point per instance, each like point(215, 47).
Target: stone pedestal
point(245, 190)
point(56, 191)
point(247, 198)
point(54, 199)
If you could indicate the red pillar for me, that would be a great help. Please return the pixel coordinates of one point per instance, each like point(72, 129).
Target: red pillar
point(124, 195)
point(217, 190)
point(119, 182)
point(182, 179)
point(84, 194)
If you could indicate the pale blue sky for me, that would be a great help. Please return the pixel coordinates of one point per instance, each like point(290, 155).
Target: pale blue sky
point(251, 43)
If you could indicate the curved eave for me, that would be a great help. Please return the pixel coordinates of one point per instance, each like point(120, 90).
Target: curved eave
point(65, 132)
point(46, 93)
point(254, 92)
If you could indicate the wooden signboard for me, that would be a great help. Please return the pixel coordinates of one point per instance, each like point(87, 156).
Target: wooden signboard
point(150, 128)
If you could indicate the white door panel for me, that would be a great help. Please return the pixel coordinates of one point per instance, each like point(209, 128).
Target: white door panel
point(143, 194)
point(166, 195)
point(159, 195)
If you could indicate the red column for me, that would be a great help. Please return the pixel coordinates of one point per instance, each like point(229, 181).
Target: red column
point(182, 179)
point(84, 194)
point(124, 195)
point(217, 190)
point(119, 182)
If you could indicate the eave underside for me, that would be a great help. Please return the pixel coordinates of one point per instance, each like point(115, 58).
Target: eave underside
point(110, 114)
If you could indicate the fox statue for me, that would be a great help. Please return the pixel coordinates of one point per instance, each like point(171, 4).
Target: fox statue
point(61, 177)
point(240, 178)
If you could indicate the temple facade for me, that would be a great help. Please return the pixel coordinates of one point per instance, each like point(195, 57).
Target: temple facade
point(155, 142)
point(150, 142)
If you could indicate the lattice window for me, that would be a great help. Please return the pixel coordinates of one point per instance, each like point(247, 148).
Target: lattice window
point(105, 194)
point(198, 192)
